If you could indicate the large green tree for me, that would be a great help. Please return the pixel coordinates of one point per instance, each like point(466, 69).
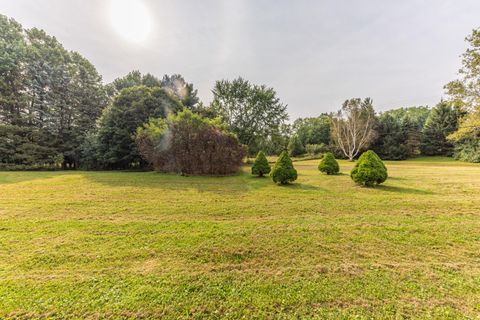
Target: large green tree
point(132, 107)
point(441, 122)
point(49, 98)
point(253, 112)
point(399, 132)
point(13, 126)
point(464, 93)
point(132, 79)
point(180, 88)
point(313, 130)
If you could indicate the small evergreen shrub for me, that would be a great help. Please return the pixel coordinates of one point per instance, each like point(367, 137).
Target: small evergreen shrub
point(328, 164)
point(283, 171)
point(260, 166)
point(369, 170)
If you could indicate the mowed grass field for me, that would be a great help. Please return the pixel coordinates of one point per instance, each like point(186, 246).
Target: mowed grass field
point(148, 245)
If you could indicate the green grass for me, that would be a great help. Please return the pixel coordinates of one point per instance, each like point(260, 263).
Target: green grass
point(147, 245)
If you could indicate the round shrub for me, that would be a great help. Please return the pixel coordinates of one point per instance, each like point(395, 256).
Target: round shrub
point(369, 170)
point(328, 164)
point(260, 166)
point(283, 171)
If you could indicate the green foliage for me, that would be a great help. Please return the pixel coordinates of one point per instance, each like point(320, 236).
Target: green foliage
point(50, 98)
point(275, 142)
point(295, 146)
point(316, 149)
point(176, 85)
point(468, 150)
point(188, 143)
point(465, 95)
point(130, 109)
point(283, 171)
point(441, 122)
point(328, 164)
point(313, 130)
point(253, 112)
point(260, 166)
point(132, 79)
point(399, 132)
point(369, 170)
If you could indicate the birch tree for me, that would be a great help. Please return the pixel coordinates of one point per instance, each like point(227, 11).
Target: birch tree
point(353, 126)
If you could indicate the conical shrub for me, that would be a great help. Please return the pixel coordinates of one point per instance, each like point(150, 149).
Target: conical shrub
point(328, 164)
point(369, 170)
point(260, 166)
point(283, 171)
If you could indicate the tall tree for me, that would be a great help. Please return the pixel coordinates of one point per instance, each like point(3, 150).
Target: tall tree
point(313, 130)
point(132, 79)
point(183, 90)
point(13, 130)
point(49, 98)
point(464, 93)
point(441, 122)
point(399, 132)
point(353, 126)
point(130, 109)
point(251, 111)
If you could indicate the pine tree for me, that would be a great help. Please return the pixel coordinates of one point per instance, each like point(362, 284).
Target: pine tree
point(283, 171)
point(260, 166)
point(328, 164)
point(369, 170)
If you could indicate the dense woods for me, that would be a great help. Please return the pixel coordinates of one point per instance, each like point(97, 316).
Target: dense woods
point(56, 112)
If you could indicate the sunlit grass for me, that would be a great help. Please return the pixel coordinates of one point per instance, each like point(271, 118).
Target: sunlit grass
point(143, 244)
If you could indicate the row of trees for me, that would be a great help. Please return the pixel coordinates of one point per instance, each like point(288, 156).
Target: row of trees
point(55, 111)
point(49, 98)
point(368, 171)
point(395, 134)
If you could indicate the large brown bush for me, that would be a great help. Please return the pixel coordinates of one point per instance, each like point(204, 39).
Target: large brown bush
point(187, 143)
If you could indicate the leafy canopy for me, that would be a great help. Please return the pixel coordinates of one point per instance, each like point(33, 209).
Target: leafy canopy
point(253, 112)
point(130, 109)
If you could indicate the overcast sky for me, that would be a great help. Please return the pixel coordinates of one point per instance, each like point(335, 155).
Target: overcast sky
point(315, 54)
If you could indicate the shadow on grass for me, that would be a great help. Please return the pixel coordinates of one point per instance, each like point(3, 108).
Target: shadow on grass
point(396, 178)
point(299, 186)
point(12, 177)
point(222, 185)
point(402, 190)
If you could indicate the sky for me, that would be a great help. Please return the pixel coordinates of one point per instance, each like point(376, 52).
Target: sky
point(315, 54)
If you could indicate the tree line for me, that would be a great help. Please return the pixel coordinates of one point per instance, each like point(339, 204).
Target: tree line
point(56, 112)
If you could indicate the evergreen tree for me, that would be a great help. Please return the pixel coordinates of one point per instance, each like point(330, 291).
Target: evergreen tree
point(328, 164)
point(283, 171)
point(442, 121)
point(119, 122)
point(369, 170)
point(260, 166)
point(49, 98)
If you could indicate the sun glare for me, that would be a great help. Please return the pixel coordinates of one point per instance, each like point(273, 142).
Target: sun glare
point(130, 19)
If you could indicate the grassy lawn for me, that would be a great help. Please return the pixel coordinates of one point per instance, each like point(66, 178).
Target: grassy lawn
point(143, 244)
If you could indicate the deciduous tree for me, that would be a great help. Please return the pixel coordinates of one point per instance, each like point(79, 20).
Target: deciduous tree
point(353, 126)
point(251, 111)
